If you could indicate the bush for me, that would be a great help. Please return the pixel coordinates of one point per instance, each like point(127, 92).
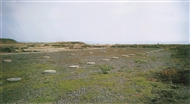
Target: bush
point(178, 75)
point(175, 76)
point(105, 68)
point(6, 49)
point(140, 61)
point(183, 51)
point(171, 95)
point(184, 77)
point(169, 75)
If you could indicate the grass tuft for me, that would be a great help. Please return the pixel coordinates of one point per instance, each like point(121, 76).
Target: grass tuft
point(105, 68)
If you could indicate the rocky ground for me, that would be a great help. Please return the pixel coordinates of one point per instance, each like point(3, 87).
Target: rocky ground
point(127, 80)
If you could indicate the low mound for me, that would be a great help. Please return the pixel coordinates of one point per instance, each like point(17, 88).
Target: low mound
point(7, 41)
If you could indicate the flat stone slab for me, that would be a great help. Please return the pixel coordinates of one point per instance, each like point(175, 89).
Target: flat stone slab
point(74, 66)
point(104, 51)
point(105, 60)
point(7, 60)
point(131, 54)
point(14, 79)
point(115, 57)
point(72, 54)
point(46, 56)
point(49, 71)
point(125, 55)
point(90, 63)
point(115, 50)
point(90, 52)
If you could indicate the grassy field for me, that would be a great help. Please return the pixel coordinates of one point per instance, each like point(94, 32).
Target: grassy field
point(131, 80)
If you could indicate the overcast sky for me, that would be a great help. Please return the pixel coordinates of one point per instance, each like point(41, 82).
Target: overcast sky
point(96, 22)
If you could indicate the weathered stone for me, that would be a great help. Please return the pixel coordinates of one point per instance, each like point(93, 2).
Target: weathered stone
point(104, 51)
point(115, 57)
point(105, 60)
point(90, 63)
point(74, 66)
point(14, 79)
point(46, 57)
point(49, 71)
point(90, 52)
point(131, 54)
point(7, 60)
point(125, 55)
point(115, 50)
point(72, 54)
point(17, 50)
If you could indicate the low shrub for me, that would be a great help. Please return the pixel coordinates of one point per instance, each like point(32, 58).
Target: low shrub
point(170, 95)
point(6, 49)
point(175, 76)
point(169, 75)
point(184, 77)
point(140, 61)
point(183, 51)
point(105, 68)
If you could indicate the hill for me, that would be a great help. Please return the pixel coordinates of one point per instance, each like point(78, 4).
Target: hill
point(7, 41)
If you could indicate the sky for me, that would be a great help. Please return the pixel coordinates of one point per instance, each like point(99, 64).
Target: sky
point(102, 22)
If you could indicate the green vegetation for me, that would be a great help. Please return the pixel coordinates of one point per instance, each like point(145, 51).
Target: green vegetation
point(105, 68)
point(6, 49)
point(178, 79)
point(140, 61)
point(7, 41)
point(122, 80)
point(171, 46)
point(178, 75)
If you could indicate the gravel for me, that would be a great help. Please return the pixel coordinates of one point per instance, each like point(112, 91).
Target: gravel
point(62, 60)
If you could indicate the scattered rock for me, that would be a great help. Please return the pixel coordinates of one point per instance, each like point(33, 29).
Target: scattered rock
point(90, 52)
point(104, 51)
point(49, 71)
point(46, 57)
point(155, 51)
point(74, 66)
point(115, 57)
point(17, 50)
point(14, 79)
point(90, 63)
point(105, 60)
point(125, 55)
point(115, 50)
point(7, 60)
point(131, 54)
point(72, 54)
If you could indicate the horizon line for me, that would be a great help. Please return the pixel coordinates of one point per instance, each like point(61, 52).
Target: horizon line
point(93, 1)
